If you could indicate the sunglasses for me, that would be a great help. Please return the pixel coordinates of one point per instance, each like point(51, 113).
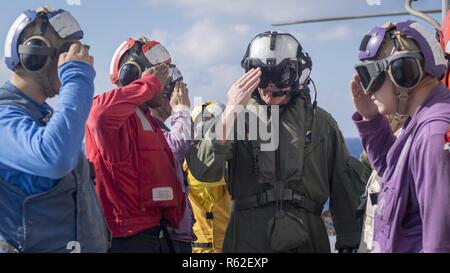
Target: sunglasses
point(65, 47)
point(174, 76)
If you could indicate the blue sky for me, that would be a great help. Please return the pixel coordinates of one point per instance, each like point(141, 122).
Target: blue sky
point(207, 38)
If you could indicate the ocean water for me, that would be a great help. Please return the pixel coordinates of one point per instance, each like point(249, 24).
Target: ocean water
point(354, 146)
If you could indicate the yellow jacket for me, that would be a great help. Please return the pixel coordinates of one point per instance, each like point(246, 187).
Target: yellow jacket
point(211, 206)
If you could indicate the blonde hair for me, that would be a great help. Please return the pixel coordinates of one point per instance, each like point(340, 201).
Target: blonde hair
point(387, 47)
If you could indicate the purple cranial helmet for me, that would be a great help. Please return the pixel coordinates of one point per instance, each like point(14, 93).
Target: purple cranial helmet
point(434, 62)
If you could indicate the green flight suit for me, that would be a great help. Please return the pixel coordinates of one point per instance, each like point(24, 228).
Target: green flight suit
point(318, 168)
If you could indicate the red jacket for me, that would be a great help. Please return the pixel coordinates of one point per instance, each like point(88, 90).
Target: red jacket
point(135, 169)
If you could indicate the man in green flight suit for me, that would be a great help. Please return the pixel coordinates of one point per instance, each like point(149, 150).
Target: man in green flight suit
point(280, 183)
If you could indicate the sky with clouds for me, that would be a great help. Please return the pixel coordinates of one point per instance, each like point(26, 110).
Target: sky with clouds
point(207, 38)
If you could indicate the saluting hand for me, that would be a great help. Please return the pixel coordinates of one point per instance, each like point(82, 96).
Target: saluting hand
point(160, 71)
point(362, 100)
point(77, 52)
point(241, 91)
point(180, 95)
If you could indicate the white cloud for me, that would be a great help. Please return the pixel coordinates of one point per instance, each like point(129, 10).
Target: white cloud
point(225, 73)
point(215, 82)
point(268, 10)
point(241, 29)
point(207, 43)
point(160, 36)
point(209, 54)
point(338, 33)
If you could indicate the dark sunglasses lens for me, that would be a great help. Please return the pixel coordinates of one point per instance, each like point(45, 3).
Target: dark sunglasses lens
point(405, 72)
point(378, 82)
point(281, 79)
point(283, 85)
point(364, 75)
point(264, 82)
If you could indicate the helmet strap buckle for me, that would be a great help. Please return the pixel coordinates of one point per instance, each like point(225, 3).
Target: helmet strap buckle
point(402, 97)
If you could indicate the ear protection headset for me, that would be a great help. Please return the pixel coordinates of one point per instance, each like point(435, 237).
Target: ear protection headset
point(132, 69)
point(36, 52)
point(131, 59)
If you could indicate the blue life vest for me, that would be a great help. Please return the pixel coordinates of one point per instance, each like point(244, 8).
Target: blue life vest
point(67, 218)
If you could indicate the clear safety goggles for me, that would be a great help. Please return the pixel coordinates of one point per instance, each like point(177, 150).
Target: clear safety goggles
point(174, 76)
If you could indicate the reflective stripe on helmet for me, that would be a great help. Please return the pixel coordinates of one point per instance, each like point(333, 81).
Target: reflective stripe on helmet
point(116, 58)
point(158, 54)
point(65, 25)
point(12, 30)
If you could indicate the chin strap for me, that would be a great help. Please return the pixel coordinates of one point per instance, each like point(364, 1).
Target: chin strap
point(402, 99)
